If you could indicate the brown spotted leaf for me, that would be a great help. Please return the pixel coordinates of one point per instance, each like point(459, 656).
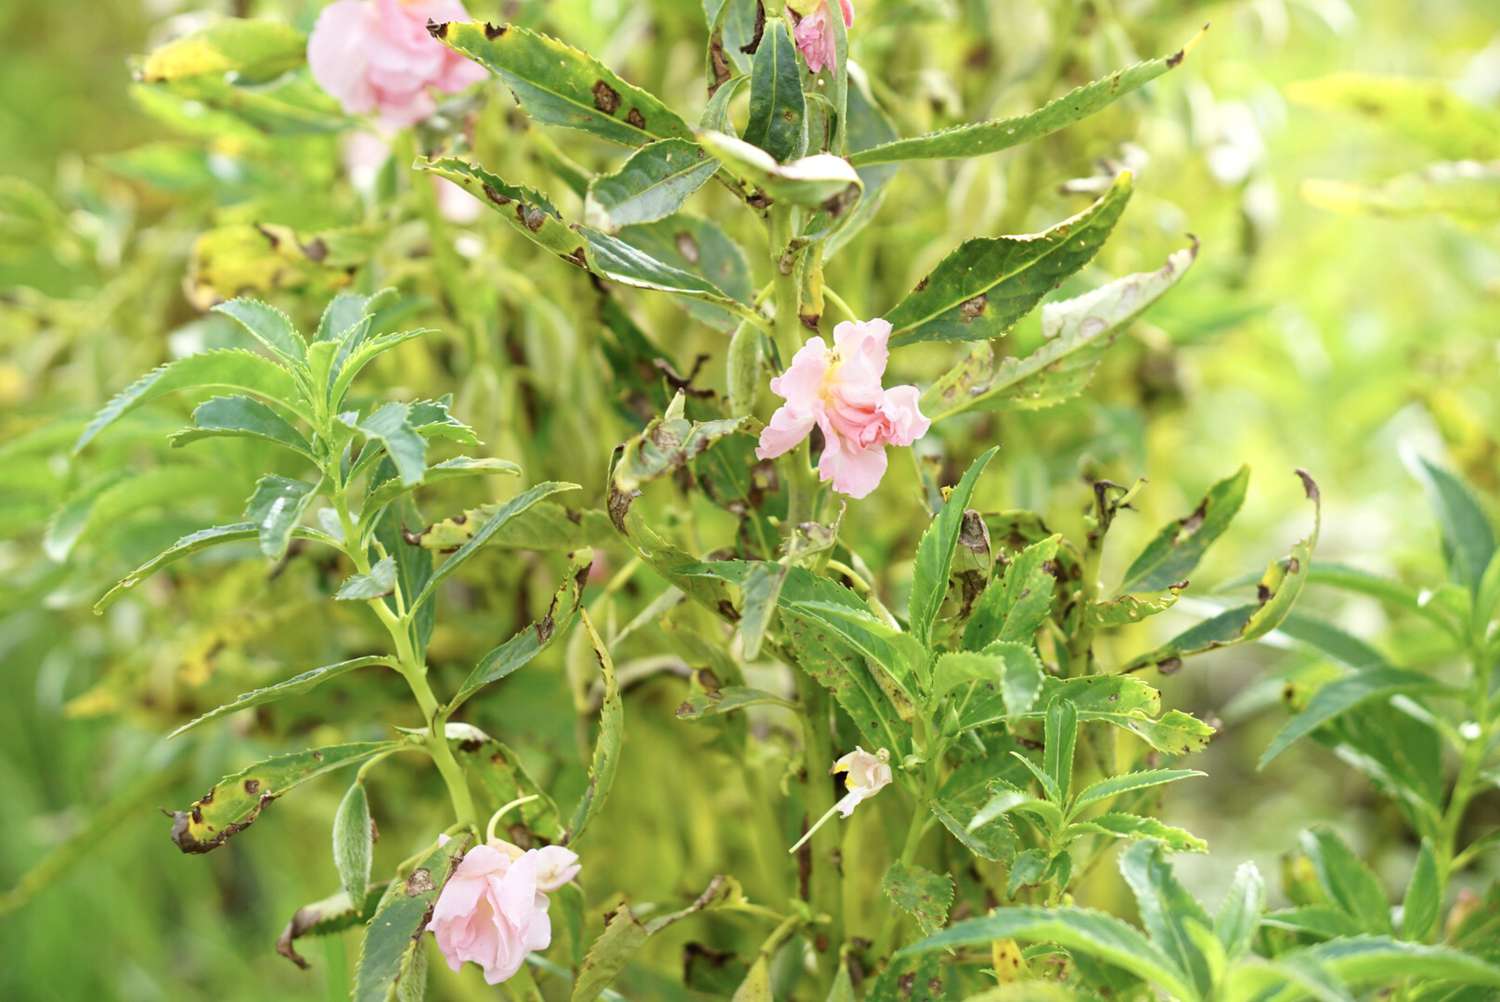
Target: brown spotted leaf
point(394, 934)
point(667, 444)
point(922, 894)
point(528, 210)
point(237, 800)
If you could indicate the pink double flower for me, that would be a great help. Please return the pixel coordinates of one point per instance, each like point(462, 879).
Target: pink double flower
point(815, 37)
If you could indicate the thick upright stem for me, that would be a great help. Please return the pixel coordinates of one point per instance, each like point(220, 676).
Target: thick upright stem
point(825, 886)
point(795, 465)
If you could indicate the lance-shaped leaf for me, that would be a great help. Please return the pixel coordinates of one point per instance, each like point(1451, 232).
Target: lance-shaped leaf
point(1122, 825)
point(275, 508)
point(620, 260)
point(117, 496)
point(1010, 669)
point(991, 137)
point(1427, 112)
point(1344, 694)
point(1076, 334)
point(333, 914)
point(761, 591)
point(1468, 537)
point(386, 491)
point(297, 685)
point(1132, 608)
point(1347, 880)
point(1078, 930)
point(984, 286)
point(529, 211)
point(192, 543)
point(395, 932)
point(521, 649)
point(229, 369)
point(701, 248)
point(668, 443)
point(1466, 191)
point(935, 553)
point(819, 181)
point(358, 351)
point(501, 779)
point(922, 894)
point(1168, 911)
point(560, 85)
point(728, 699)
point(1176, 550)
point(778, 111)
point(961, 807)
point(1277, 590)
point(381, 581)
point(1381, 960)
point(1239, 914)
point(607, 746)
point(1114, 786)
point(268, 325)
point(237, 800)
point(546, 526)
point(1014, 605)
point(651, 185)
point(252, 49)
point(242, 417)
point(624, 935)
point(390, 426)
point(354, 841)
point(512, 508)
point(1424, 896)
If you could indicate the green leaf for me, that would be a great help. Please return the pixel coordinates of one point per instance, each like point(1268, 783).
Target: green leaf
point(1167, 910)
point(651, 185)
point(1121, 825)
point(778, 111)
point(935, 553)
point(1276, 591)
point(1348, 882)
point(1076, 334)
point(1060, 738)
point(192, 543)
point(395, 931)
point(1344, 694)
point(1014, 606)
point(230, 369)
point(560, 85)
point(521, 649)
point(667, 444)
point(103, 504)
point(546, 526)
point(619, 260)
point(1425, 112)
point(1008, 800)
point(990, 137)
point(355, 354)
point(381, 581)
point(237, 800)
point(1176, 550)
point(1239, 914)
point(390, 426)
point(1312, 920)
point(1379, 960)
point(248, 49)
point(242, 416)
point(922, 894)
point(728, 699)
point(1106, 789)
point(342, 314)
point(528, 210)
point(515, 506)
point(275, 509)
point(1078, 930)
point(268, 325)
point(988, 283)
point(811, 182)
point(624, 934)
point(1424, 897)
point(1467, 191)
point(1468, 537)
point(386, 491)
point(333, 914)
point(959, 804)
point(502, 779)
point(353, 841)
point(607, 747)
point(700, 248)
point(1012, 669)
point(1127, 609)
point(294, 686)
point(761, 590)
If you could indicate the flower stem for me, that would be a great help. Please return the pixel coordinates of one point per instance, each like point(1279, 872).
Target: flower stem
point(825, 890)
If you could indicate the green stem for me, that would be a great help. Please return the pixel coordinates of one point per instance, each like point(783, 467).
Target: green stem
point(795, 465)
point(825, 890)
point(1470, 766)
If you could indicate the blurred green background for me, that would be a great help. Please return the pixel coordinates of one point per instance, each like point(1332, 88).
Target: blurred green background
point(1303, 338)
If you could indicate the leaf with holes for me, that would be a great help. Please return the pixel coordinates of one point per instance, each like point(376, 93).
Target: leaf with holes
point(1014, 605)
point(984, 286)
point(922, 894)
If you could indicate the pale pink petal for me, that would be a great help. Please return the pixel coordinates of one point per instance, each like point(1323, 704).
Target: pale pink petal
point(816, 41)
point(905, 419)
point(787, 428)
point(555, 866)
point(848, 9)
point(863, 347)
point(801, 383)
point(855, 472)
point(336, 54)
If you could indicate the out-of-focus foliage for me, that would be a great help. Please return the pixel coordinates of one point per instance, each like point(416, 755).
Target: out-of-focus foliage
point(1336, 167)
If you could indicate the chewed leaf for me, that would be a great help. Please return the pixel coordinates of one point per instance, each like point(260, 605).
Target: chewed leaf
point(560, 85)
point(991, 137)
point(501, 778)
point(667, 444)
point(1132, 826)
point(323, 918)
point(237, 800)
point(983, 287)
point(922, 894)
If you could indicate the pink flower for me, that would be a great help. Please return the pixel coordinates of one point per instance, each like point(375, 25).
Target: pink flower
point(865, 776)
point(493, 910)
point(840, 392)
point(815, 38)
point(376, 55)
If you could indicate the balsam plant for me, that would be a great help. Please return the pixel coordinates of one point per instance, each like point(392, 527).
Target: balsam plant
point(964, 683)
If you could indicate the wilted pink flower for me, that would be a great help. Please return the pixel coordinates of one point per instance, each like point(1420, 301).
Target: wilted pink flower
point(815, 37)
point(840, 392)
point(866, 776)
point(493, 910)
point(376, 55)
